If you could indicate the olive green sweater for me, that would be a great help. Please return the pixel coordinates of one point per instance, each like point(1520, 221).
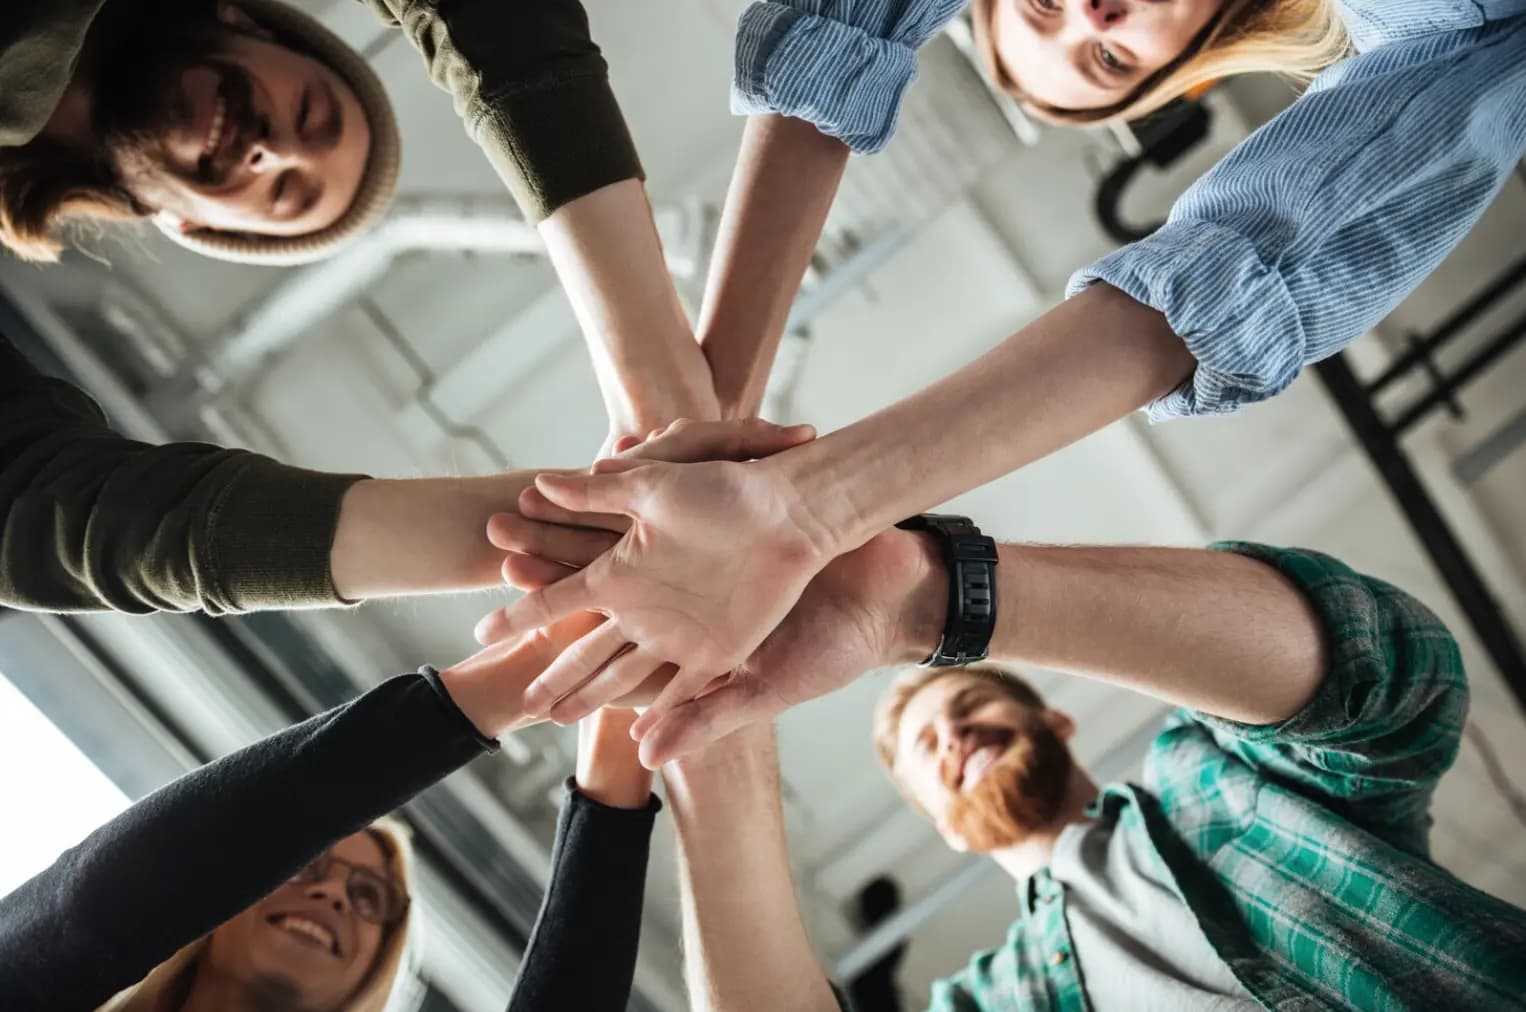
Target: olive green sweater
point(90, 520)
point(528, 82)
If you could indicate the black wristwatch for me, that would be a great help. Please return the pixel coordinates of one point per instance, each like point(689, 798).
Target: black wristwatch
point(971, 560)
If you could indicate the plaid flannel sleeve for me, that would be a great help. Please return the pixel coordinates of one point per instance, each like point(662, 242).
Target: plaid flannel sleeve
point(1386, 723)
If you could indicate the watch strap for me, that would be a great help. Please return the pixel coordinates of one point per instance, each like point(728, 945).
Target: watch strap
point(971, 560)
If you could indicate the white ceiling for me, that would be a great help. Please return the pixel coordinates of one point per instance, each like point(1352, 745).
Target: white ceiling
point(974, 264)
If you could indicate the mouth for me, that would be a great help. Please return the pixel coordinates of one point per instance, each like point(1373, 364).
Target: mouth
point(306, 931)
point(228, 131)
point(216, 128)
point(982, 748)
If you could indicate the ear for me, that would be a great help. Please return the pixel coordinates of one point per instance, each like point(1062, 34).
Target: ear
point(1060, 723)
point(235, 16)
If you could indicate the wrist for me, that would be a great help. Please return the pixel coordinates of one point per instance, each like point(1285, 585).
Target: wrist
point(923, 608)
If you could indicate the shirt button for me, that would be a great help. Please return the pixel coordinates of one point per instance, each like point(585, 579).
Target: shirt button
point(1049, 897)
point(1059, 957)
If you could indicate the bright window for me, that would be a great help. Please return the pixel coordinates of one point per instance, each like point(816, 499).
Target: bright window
point(53, 796)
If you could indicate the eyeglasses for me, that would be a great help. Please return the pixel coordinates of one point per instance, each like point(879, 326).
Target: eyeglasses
point(372, 895)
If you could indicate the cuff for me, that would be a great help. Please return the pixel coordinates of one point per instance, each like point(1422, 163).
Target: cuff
point(843, 80)
point(269, 535)
point(432, 676)
point(1233, 311)
point(578, 802)
point(555, 143)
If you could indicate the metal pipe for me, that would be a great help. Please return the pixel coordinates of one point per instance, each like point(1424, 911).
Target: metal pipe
point(1453, 382)
point(309, 295)
point(1498, 445)
point(1449, 327)
point(1431, 528)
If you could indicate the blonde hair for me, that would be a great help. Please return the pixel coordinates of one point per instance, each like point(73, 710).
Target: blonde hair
point(1294, 38)
point(892, 704)
point(375, 990)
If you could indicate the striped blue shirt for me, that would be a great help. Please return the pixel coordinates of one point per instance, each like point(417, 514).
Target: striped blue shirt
point(1302, 238)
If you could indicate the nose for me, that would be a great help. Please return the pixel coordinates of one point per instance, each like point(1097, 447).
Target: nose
point(271, 151)
point(1105, 14)
point(329, 894)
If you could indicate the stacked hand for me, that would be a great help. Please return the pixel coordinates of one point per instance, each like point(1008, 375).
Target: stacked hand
point(714, 574)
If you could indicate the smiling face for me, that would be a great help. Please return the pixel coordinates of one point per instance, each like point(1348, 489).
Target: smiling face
point(303, 946)
point(220, 127)
point(987, 767)
point(1092, 54)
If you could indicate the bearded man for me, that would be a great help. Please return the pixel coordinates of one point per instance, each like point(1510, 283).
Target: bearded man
point(1275, 854)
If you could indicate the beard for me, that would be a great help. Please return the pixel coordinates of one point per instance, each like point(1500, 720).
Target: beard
point(139, 99)
point(1020, 792)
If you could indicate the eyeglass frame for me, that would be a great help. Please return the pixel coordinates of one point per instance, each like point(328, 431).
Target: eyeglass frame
point(398, 900)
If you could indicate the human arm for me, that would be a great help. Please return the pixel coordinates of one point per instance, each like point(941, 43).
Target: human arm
point(1316, 226)
point(787, 173)
point(817, 82)
point(181, 861)
point(607, 254)
point(93, 520)
point(582, 951)
point(745, 944)
point(678, 585)
point(533, 91)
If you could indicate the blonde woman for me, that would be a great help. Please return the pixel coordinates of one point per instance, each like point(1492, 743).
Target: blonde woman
point(246, 886)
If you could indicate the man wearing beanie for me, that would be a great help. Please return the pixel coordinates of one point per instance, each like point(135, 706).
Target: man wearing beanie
point(247, 131)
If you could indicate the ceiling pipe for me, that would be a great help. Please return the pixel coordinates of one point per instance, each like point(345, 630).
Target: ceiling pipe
point(307, 296)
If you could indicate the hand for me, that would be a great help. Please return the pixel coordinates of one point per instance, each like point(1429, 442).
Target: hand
point(675, 586)
point(882, 604)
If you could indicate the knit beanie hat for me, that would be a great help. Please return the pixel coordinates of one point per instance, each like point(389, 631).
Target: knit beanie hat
point(300, 31)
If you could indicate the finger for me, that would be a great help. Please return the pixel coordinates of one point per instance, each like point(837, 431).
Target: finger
point(535, 506)
point(687, 684)
point(526, 572)
point(542, 607)
point(643, 694)
point(688, 442)
point(625, 443)
point(614, 465)
point(595, 493)
point(577, 664)
point(575, 546)
point(618, 678)
point(702, 722)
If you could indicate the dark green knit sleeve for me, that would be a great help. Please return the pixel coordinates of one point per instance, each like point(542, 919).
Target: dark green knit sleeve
point(93, 521)
point(531, 88)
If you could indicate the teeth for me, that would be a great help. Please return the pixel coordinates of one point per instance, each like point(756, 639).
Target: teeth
point(311, 929)
point(977, 764)
point(215, 134)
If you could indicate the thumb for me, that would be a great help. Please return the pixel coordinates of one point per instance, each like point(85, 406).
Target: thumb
point(594, 493)
point(702, 722)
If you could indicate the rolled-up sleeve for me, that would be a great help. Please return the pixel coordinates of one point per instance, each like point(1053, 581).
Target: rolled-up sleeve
point(842, 65)
point(1321, 222)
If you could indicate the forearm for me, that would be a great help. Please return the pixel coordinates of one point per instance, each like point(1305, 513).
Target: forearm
point(608, 256)
point(745, 942)
point(787, 173)
point(1212, 631)
point(421, 535)
point(1078, 368)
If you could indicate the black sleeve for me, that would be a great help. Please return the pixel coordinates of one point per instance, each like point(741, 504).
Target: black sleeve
point(582, 952)
point(193, 854)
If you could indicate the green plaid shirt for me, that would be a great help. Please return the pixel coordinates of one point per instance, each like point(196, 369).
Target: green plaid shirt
point(1301, 847)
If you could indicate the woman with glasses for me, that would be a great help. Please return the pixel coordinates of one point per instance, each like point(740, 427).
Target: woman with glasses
point(270, 879)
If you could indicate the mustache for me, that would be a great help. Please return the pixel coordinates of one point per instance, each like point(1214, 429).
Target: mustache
point(237, 94)
point(1023, 790)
